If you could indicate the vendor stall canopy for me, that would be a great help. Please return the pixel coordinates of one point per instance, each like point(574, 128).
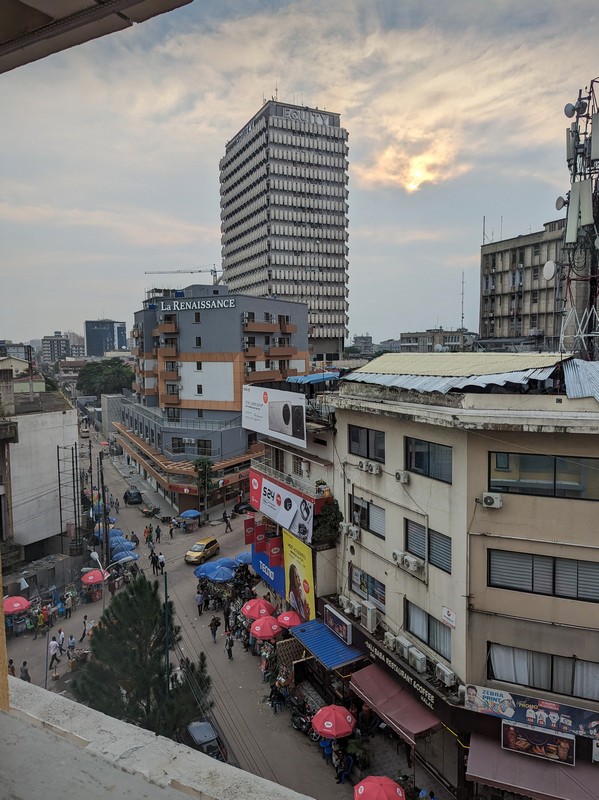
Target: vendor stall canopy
point(449, 372)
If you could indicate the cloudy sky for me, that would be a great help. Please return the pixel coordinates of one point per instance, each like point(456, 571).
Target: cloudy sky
point(454, 109)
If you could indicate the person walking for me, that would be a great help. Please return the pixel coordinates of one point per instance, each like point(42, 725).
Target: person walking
point(25, 676)
point(158, 534)
point(227, 521)
point(61, 641)
point(227, 614)
point(154, 562)
point(84, 633)
point(200, 601)
point(170, 531)
point(146, 533)
point(151, 540)
point(68, 606)
point(71, 644)
point(117, 505)
point(161, 562)
point(214, 625)
point(11, 668)
point(54, 650)
point(229, 642)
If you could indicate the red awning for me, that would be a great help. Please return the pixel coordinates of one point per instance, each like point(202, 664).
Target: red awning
point(393, 703)
point(489, 764)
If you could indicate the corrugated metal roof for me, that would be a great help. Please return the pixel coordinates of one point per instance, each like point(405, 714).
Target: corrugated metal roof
point(442, 384)
point(582, 379)
point(326, 646)
point(454, 365)
point(315, 377)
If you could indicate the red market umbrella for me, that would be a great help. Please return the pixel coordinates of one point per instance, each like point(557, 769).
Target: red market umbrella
point(257, 608)
point(94, 576)
point(14, 604)
point(265, 628)
point(289, 619)
point(375, 788)
point(104, 444)
point(333, 722)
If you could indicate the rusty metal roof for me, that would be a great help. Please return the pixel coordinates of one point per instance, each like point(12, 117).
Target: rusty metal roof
point(458, 365)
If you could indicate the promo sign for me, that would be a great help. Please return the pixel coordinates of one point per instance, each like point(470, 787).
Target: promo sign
point(559, 747)
point(338, 624)
point(280, 415)
point(287, 509)
point(300, 576)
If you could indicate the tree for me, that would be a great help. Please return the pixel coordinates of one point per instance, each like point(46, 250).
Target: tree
point(126, 678)
point(326, 524)
point(203, 470)
point(110, 376)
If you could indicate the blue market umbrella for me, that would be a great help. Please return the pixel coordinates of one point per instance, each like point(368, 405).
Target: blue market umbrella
point(121, 544)
point(191, 513)
point(220, 575)
point(229, 563)
point(205, 569)
point(116, 532)
point(124, 554)
point(244, 558)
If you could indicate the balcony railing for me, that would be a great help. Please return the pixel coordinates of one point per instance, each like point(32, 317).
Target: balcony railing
point(168, 350)
point(159, 417)
point(169, 375)
point(170, 400)
point(293, 481)
point(165, 327)
point(263, 375)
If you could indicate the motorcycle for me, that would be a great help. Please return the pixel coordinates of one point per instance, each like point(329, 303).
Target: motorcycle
point(301, 720)
point(150, 512)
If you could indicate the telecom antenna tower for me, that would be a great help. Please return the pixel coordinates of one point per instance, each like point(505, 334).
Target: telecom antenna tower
point(577, 276)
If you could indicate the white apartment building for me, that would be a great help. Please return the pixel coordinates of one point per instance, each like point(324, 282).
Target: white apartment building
point(284, 206)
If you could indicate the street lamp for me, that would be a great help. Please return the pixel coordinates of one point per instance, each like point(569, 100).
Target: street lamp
point(96, 557)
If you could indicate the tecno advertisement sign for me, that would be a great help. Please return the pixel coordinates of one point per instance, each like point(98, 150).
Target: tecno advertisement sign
point(281, 415)
point(285, 507)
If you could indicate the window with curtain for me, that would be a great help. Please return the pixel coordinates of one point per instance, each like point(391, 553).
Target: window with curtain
point(559, 674)
point(548, 476)
point(366, 443)
point(367, 587)
point(439, 545)
point(428, 458)
point(367, 515)
point(429, 630)
point(558, 577)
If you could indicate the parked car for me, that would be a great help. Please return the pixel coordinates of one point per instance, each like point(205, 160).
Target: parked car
point(203, 736)
point(132, 497)
point(202, 551)
point(243, 507)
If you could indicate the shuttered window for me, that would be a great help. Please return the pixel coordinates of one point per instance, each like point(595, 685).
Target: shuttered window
point(559, 577)
point(439, 545)
point(376, 519)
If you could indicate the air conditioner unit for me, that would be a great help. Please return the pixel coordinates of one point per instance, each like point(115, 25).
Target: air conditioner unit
point(417, 659)
point(389, 640)
point(354, 533)
point(363, 466)
point(444, 674)
point(398, 556)
point(402, 476)
point(305, 467)
point(374, 469)
point(344, 527)
point(355, 608)
point(368, 617)
point(344, 602)
point(492, 500)
point(402, 646)
point(412, 563)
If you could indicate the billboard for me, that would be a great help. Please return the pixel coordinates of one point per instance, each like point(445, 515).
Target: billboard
point(281, 504)
point(280, 415)
point(299, 576)
point(559, 747)
point(272, 575)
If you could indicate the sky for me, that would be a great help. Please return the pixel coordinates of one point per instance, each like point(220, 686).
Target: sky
point(110, 151)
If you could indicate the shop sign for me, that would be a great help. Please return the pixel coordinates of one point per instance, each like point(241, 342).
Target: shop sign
point(270, 574)
point(544, 714)
point(285, 507)
point(545, 744)
point(340, 626)
point(420, 690)
point(448, 617)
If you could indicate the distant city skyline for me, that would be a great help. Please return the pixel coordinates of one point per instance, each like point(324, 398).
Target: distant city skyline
point(454, 113)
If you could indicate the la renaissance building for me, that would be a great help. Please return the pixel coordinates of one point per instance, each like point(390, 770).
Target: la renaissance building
point(284, 206)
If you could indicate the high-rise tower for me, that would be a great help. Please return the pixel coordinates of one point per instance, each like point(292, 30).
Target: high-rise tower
point(283, 190)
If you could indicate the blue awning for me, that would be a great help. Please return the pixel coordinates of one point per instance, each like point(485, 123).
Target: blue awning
point(325, 645)
point(316, 377)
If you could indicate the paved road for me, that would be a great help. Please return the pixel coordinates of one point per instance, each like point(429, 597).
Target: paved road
point(263, 743)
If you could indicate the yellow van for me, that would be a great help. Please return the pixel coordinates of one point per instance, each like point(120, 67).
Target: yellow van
point(202, 551)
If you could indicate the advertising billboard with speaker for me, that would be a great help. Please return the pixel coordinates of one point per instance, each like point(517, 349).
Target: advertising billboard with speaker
point(281, 415)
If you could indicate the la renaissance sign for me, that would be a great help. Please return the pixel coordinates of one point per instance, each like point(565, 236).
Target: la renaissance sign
point(197, 305)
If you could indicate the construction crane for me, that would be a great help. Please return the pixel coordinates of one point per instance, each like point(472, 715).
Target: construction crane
point(209, 268)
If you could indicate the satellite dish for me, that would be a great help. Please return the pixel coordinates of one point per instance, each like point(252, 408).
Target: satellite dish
point(560, 203)
point(569, 110)
point(549, 270)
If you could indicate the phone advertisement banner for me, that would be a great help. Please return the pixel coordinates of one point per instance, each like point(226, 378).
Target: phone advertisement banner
point(280, 415)
point(283, 506)
point(299, 576)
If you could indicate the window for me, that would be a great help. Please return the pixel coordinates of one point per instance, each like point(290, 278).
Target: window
point(428, 458)
point(366, 443)
point(198, 366)
point(429, 630)
point(534, 298)
point(197, 317)
point(173, 414)
point(559, 577)
point(439, 545)
point(368, 516)
point(548, 476)
point(177, 445)
point(204, 447)
point(200, 412)
point(535, 273)
point(367, 587)
point(198, 341)
point(296, 466)
point(561, 674)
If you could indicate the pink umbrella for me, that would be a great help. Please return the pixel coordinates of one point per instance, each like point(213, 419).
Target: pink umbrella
point(265, 628)
point(375, 788)
point(289, 619)
point(14, 604)
point(333, 722)
point(94, 576)
point(257, 608)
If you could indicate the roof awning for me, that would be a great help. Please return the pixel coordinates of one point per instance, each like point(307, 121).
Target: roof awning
point(325, 645)
point(393, 703)
point(489, 764)
point(315, 377)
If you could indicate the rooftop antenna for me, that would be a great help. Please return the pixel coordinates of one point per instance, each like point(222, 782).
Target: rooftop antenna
point(462, 299)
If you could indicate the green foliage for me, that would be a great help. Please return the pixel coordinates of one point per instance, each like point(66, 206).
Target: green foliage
point(110, 376)
point(126, 678)
point(51, 384)
point(326, 527)
point(203, 469)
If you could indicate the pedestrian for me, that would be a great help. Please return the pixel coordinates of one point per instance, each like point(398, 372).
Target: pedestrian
point(276, 699)
point(229, 644)
point(84, 634)
point(117, 505)
point(227, 614)
point(40, 627)
point(111, 501)
point(161, 563)
point(158, 533)
point(68, 606)
point(71, 644)
point(135, 538)
point(214, 625)
point(146, 533)
point(227, 521)
point(151, 540)
point(54, 650)
point(170, 531)
point(154, 562)
point(200, 601)
point(61, 641)
point(25, 673)
point(11, 668)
